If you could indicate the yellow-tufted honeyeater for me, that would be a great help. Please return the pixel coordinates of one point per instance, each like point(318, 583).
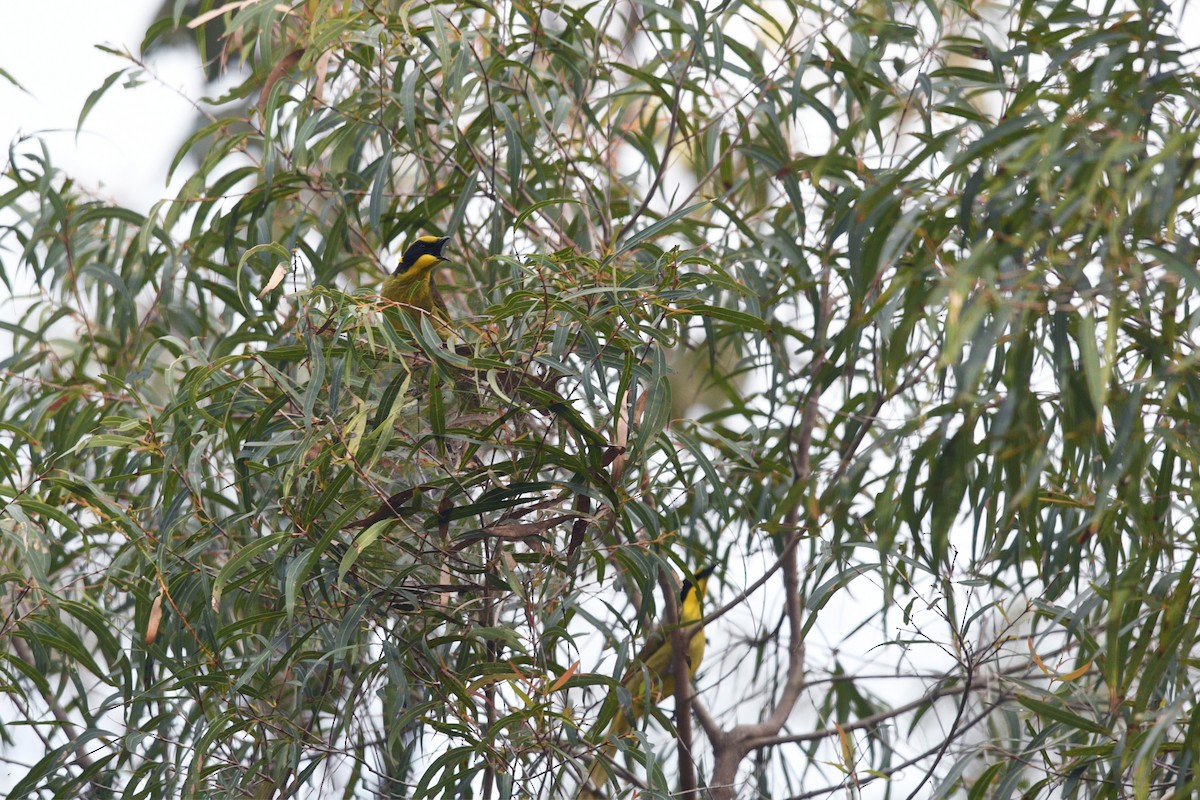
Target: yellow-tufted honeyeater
point(654, 663)
point(412, 286)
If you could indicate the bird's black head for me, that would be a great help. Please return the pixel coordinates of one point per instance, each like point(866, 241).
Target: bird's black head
point(701, 582)
point(424, 252)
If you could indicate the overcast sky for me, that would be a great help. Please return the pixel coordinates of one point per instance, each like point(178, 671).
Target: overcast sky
point(130, 136)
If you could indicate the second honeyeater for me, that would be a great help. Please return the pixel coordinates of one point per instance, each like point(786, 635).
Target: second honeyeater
point(412, 285)
point(654, 663)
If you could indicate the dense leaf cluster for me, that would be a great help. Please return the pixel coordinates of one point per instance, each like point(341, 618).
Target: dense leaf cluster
point(884, 308)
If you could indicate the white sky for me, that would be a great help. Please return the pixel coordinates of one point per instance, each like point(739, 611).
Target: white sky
point(130, 136)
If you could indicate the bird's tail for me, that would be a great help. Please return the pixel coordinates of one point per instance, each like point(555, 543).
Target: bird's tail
point(593, 787)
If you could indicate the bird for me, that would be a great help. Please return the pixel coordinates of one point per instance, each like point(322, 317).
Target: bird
point(655, 663)
point(411, 284)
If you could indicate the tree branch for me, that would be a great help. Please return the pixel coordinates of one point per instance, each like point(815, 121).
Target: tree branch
point(730, 747)
point(878, 774)
point(681, 669)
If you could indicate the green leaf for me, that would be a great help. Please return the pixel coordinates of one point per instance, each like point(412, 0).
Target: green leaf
point(652, 230)
point(95, 96)
point(1059, 713)
point(243, 557)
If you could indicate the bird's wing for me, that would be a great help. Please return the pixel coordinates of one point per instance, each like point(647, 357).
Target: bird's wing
point(654, 655)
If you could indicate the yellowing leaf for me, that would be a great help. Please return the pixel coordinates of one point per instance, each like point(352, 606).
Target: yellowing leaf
point(1074, 674)
point(562, 679)
point(155, 618)
point(847, 747)
point(281, 271)
point(1077, 673)
point(200, 19)
point(1041, 665)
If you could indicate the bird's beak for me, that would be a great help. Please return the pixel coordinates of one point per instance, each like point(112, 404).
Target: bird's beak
point(441, 243)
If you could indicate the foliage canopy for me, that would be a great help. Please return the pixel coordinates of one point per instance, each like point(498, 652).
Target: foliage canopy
point(883, 308)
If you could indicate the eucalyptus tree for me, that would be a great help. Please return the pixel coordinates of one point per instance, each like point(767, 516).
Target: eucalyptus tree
point(884, 309)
